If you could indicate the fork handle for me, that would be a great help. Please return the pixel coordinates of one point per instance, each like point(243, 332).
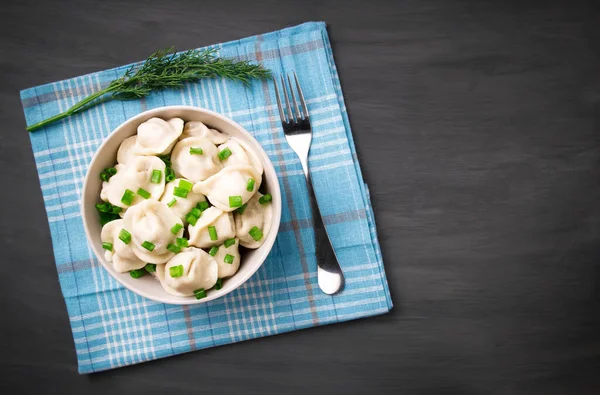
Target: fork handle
point(329, 272)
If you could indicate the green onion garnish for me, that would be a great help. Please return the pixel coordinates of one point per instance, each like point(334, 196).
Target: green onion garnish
point(241, 209)
point(212, 232)
point(191, 219)
point(202, 206)
point(173, 248)
point(125, 236)
point(137, 273)
point(143, 193)
point(156, 176)
point(180, 192)
point(169, 174)
point(111, 171)
point(196, 151)
point(127, 198)
point(228, 259)
point(181, 242)
point(256, 233)
point(226, 153)
point(150, 267)
point(219, 284)
point(176, 271)
point(196, 211)
point(213, 251)
point(184, 184)
point(200, 293)
point(148, 245)
point(265, 199)
point(104, 176)
point(250, 185)
point(116, 209)
point(235, 201)
point(172, 202)
point(229, 242)
point(107, 246)
point(176, 228)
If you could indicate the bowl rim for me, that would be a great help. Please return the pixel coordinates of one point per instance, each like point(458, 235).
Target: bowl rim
point(274, 189)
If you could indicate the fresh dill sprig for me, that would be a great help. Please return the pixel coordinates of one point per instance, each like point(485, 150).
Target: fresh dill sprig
point(166, 69)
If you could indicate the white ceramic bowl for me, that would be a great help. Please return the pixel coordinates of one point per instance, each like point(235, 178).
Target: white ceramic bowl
point(148, 286)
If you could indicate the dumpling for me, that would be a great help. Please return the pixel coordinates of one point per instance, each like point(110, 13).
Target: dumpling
point(213, 220)
point(240, 155)
point(152, 225)
point(188, 271)
point(182, 205)
point(121, 256)
point(195, 167)
point(126, 153)
point(157, 136)
point(198, 129)
point(228, 259)
point(228, 189)
point(254, 215)
point(135, 175)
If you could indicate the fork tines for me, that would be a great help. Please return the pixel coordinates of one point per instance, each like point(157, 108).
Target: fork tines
point(291, 113)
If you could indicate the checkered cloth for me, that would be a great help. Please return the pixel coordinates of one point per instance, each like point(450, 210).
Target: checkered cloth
point(114, 327)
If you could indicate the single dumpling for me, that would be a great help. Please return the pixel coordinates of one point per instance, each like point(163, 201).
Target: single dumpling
point(190, 270)
point(213, 227)
point(134, 182)
point(126, 152)
point(228, 258)
point(195, 159)
point(241, 154)
point(254, 215)
point(180, 205)
point(116, 251)
point(230, 188)
point(157, 136)
point(153, 227)
point(198, 129)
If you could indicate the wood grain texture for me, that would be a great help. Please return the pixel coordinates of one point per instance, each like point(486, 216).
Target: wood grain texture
point(477, 127)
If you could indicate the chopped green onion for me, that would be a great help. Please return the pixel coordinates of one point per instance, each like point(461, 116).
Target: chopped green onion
point(170, 174)
point(213, 251)
point(143, 193)
point(191, 219)
point(172, 202)
point(250, 185)
point(173, 248)
point(156, 177)
point(229, 259)
point(176, 271)
point(148, 245)
point(137, 273)
point(111, 171)
point(241, 209)
point(104, 176)
point(229, 242)
point(176, 228)
point(102, 207)
point(166, 159)
point(107, 246)
point(181, 242)
point(184, 184)
point(125, 236)
point(196, 211)
point(180, 192)
point(235, 201)
point(212, 232)
point(265, 199)
point(256, 233)
point(116, 209)
point(200, 293)
point(150, 267)
point(196, 151)
point(202, 206)
point(127, 198)
point(219, 284)
point(226, 153)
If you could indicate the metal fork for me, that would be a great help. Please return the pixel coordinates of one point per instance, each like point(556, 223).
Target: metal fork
point(298, 133)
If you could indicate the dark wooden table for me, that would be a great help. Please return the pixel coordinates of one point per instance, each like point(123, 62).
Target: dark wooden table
point(478, 128)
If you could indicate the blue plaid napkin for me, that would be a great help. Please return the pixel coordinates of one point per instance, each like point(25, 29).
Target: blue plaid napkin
point(114, 327)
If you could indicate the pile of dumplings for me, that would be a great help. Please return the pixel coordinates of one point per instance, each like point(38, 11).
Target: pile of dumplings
point(187, 198)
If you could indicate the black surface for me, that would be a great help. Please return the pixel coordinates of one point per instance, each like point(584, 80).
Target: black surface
point(477, 126)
